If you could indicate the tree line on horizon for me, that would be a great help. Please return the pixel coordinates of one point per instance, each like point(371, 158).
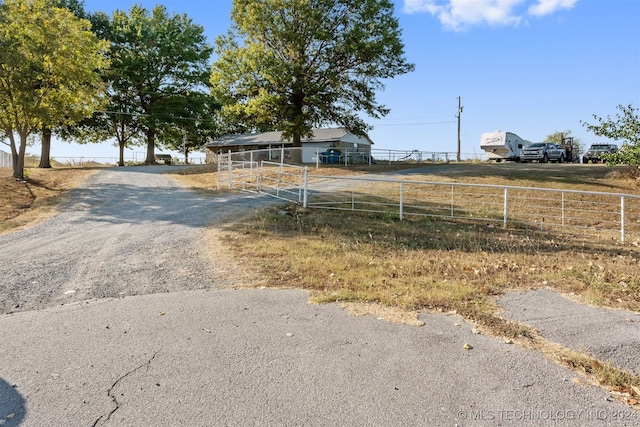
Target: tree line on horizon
point(144, 77)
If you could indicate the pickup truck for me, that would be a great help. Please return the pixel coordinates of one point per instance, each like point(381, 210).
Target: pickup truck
point(595, 152)
point(543, 152)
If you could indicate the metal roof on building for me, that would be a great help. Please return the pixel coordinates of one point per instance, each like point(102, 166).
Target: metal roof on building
point(275, 138)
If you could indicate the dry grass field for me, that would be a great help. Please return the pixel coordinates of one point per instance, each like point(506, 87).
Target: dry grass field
point(24, 203)
point(376, 264)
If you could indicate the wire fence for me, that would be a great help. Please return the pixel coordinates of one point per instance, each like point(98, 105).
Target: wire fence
point(423, 156)
point(113, 161)
point(5, 160)
point(544, 208)
point(616, 215)
point(324, 157)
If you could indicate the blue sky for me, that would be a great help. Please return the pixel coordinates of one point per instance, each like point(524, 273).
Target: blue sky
point(533, 67)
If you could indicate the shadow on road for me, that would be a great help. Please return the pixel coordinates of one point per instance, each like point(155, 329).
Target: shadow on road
point(12, 405)
point(143, 196)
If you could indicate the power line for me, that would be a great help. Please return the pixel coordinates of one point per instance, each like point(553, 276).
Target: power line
point(122, 113)
point(416, 123)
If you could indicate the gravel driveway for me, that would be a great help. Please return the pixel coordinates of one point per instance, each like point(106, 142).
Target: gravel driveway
point(85, 351)
point(124, 232)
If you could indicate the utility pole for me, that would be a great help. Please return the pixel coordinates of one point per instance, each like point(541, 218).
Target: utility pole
point(460, 107)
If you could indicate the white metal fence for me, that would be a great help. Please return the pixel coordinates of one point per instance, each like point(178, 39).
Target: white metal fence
point(285, 182)
point(422, 156)
point(5, 160)
point(545, 208)
point(112, 161)
point(344, 157)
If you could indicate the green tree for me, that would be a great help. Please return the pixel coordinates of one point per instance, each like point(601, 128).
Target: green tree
point(626, 128)
point(77, 8)
point(47, 71)
point(193, 116)
point(297, 64)
point(155, 59)
point(118, 120)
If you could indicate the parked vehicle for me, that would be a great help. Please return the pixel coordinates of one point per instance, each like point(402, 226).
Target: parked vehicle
point(595, 152)
point(331, 156)
point(544, 152)
point(568, 145)
point(501, 146)
point(164, 158)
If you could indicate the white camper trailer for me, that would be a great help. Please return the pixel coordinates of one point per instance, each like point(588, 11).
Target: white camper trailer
point(501, 146)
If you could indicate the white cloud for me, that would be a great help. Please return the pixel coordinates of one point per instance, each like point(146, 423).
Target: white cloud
point(459, 14)
point(546, 7)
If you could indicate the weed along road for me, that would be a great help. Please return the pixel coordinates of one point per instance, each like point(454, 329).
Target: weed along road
point(114, 313)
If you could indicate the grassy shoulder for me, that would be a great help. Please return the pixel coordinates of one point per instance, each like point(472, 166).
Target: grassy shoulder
point(374, 263)
point(396, 269)
point(27, 202)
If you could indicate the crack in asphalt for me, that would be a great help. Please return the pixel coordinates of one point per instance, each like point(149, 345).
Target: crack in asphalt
point(110, 390)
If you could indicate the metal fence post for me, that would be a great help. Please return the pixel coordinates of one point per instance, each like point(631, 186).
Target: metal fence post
point(562, 208)
point(353, 195)
point(259, 176)
point(279, 175)
point(622, 218)
point(506, 205)
point(218, 174)
point(305, 188)
point(401, 198)
point(251, 167)
point(242, 177)
point(452, 197)
point(230, 171)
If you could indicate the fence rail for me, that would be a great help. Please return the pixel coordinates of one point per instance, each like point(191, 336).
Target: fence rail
point(546, 208)
point(422, 156)
point(282, 181)
point(523, 206)
point(5, 160)
point(346, 157)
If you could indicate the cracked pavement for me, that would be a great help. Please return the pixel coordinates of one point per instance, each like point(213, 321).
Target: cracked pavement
point(136, 343)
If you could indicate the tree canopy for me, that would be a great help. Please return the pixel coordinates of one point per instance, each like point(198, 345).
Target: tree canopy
point(293, 65)
point(158, 63)
point(48, 70)
point(626, 128)
point(77, 8)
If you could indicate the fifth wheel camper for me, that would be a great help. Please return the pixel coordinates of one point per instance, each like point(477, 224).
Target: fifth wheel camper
point(501, 146)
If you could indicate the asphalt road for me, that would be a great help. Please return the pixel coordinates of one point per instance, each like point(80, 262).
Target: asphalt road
point(113, 314)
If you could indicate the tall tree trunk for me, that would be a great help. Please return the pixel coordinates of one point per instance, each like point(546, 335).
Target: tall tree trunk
point(151, 143)
point(298, 119)
point(121, 152)
point(18, 163)
point(296, 154)
point(186, 155)
point(45, 153)
point(14, 150)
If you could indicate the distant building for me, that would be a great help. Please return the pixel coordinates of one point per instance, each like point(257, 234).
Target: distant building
point(322, 140)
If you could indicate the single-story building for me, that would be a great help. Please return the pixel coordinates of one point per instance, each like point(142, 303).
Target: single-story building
point(322, 140)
